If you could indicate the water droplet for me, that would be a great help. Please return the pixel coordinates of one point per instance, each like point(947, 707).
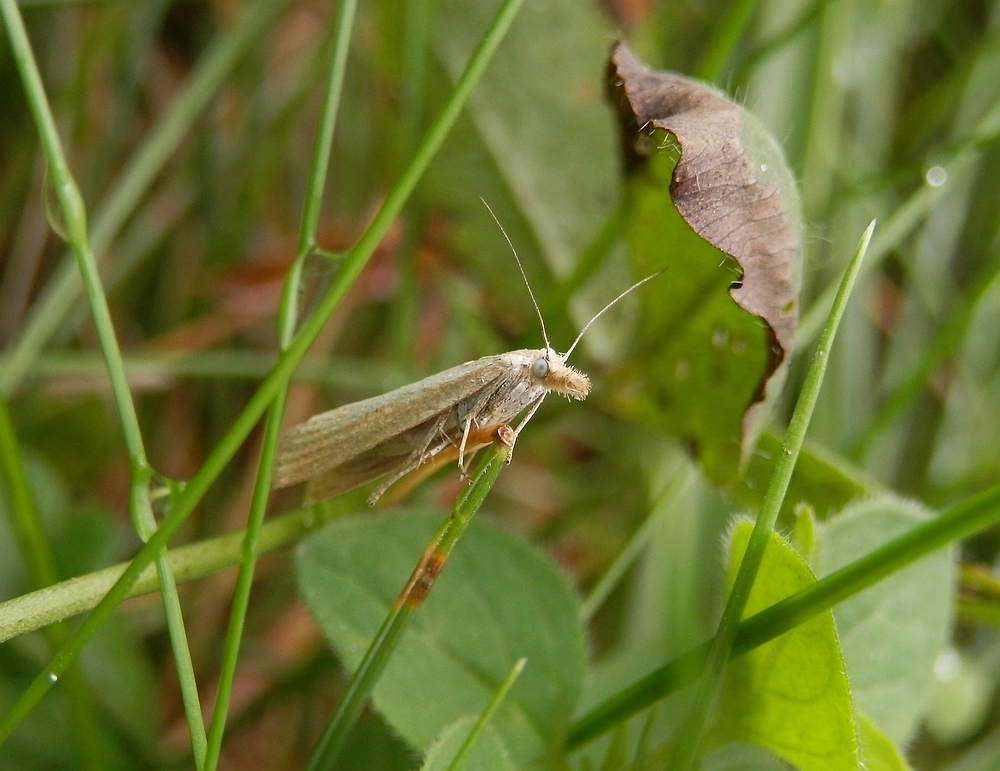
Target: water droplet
point(763, 167)
point(936, 176)
point(947, 665)
point(52, 677)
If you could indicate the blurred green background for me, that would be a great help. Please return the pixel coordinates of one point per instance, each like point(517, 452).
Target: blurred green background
point(886, 109)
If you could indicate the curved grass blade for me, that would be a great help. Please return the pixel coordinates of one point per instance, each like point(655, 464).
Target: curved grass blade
point(410, 599)
point(230, 443)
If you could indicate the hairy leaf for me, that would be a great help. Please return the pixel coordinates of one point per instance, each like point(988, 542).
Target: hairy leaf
point(708, 195)
point(891, 633)
point(789, 695)
point(496, 601)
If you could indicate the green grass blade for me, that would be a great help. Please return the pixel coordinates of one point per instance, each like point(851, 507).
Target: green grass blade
point(384, 644)
point(967, 518)
point(136, 179)
point(725, 39)
point(483, 720)
point(227, 447)
point(287, 317)
point(74, 222)
point(689, 738)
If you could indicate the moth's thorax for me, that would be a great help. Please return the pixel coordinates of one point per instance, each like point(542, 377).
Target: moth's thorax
point(547, 369)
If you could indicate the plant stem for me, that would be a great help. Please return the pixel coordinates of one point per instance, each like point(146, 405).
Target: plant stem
point(954, 524)
point(690, 735)
point(410, 598)
point(287, 318)
point(55, 602)
point(341, 371)
point(458, 762)
point(216, 461)
point(74, 221)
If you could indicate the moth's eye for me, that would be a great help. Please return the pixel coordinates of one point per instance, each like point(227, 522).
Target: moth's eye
point(540, 368)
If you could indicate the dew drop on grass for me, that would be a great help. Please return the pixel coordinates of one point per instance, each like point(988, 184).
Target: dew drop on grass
point(936, 176)
point(947, 665)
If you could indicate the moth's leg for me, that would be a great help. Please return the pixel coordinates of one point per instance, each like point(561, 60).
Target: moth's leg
point(471, 422)
point(437, 428)
point(517, 431)
point(412, 463)
point(415, 459)
point(461, 447)
point(478, 439)
point(448, 440)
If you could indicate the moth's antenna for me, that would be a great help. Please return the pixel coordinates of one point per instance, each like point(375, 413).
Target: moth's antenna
point(636, 285)
point(517, 259)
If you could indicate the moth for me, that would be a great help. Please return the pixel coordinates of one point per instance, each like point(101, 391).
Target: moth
point(392, 435)
point(396, 433)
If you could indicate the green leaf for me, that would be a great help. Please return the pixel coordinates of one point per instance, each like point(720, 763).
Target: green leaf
point(52, 498)
point(963, 696)
point(76, 435)
point(804, 532)
point(535, 143)
point(891, 633)
point(878, 753)
point(709, 196)
point(123, 680)
point(45, 740)
point(115, 664)
point(790, 695)
point(374, 745)
point(742, 757)
point(821, 480)
point(497, 600)
point(488, 754)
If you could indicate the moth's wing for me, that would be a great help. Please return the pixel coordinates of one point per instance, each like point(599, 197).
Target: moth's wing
point(354, 473)
point(332, 438)
point(384, 458)
point(414, 454)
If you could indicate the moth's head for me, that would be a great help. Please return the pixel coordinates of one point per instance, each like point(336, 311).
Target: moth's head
point(548, 369)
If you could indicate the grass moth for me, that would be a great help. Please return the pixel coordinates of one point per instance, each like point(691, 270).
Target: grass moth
point(391, 435)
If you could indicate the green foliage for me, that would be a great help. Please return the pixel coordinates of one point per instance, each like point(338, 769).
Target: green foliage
point(821, 481)
point(182, 136)
point(906, 618)
point(115, 664)
point(697, 341)
point(498, 601)
point(790, 695)
point(743, 757)
point(877, 749)
point(489, 753)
